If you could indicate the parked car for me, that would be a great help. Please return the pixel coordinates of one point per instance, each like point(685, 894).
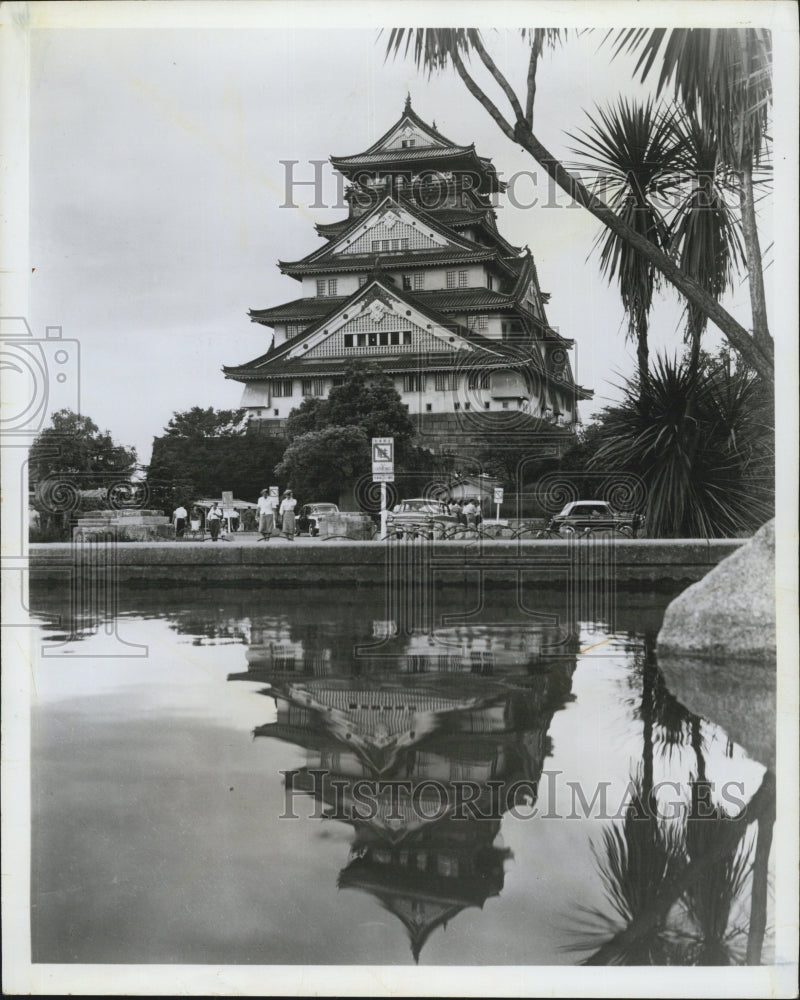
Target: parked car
point(419, 516)
point(592, 515)
point(311, 514)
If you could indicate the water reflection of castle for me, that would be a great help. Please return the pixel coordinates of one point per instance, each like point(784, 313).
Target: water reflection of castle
point(417, 742)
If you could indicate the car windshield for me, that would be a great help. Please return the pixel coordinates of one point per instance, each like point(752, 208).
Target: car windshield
point(320, 508)
point(420, 506)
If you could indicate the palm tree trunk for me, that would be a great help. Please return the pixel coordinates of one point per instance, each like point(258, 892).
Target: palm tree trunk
point(755, 274)
point(643, 357)
point(758, 353)
point(758, 892)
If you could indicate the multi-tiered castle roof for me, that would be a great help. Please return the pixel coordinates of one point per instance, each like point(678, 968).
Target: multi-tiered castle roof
point(417, 279)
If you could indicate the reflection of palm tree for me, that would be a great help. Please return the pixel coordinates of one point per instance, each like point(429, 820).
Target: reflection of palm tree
point(672, 889)
point(711, 895)
point(636, 860)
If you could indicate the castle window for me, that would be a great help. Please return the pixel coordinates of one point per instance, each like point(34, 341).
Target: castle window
point(456, 406)
point(311, 387)
point(320, 286)
point(332, 286)
point(275, 412)
point(372, 339)
point(394, 337)
point(383, 339)
point(428, 407)
point(406, 282)
point(462, 279)
point(407, 337)
point(407, 143)
point(361, 339)
point(489, 282)
point(282, 387)
point(362, 280)
point(376, 245)
point(443, 381)
point(482, 321)
point(478, 380)
point(419, 282)
point(348, 340)
point(414, 383)
point(451, 279)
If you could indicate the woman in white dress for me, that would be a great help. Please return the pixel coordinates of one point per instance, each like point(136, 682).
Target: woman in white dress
point(286, 512)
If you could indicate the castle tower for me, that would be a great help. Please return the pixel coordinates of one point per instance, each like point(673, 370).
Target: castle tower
point(418, 280)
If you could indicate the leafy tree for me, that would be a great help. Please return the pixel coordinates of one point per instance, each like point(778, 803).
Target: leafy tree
point(727, 70)
point(205, 451)
point(206, 423)
point(75, 449)
point(367, 399)
point(321, 465)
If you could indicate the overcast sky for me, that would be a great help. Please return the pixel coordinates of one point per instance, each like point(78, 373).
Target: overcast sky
point(156, 187)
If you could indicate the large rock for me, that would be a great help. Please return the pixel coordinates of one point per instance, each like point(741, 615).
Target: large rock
point(730, 613)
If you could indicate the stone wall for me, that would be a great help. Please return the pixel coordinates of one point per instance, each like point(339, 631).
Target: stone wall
point(631, 564)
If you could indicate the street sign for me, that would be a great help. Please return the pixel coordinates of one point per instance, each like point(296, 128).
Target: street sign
point(383, 471)
point(227, 498)
point(274, 492)
point(498, 494)
point(382, 457)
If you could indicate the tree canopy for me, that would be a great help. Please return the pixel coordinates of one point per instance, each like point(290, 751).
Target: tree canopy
point(367, 399)
point(206, 451)
point(323, 465)
point(75, 448)
point(208, 422)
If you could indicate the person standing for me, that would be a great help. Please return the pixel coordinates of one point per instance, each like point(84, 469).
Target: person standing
point(214, 520)
point(179, 516)
point(266, 515)
point(470, 512)
point(286, 512)
point(194, 520)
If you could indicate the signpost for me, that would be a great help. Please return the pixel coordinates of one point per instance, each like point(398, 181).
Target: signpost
point(383, 471)
point(273, 492)
point(498, 499)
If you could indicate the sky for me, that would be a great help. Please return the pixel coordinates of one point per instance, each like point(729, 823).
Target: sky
point(156, 187)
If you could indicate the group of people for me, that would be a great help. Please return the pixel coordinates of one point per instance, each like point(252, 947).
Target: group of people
point(469, 513)
point(272, 515)
point(180, 516)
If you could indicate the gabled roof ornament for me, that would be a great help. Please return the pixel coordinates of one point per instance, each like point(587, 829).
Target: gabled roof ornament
point(408, 103)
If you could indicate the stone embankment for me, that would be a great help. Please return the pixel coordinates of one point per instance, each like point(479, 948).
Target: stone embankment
point(630, 564)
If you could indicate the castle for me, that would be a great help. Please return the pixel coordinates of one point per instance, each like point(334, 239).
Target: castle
point(418, 280)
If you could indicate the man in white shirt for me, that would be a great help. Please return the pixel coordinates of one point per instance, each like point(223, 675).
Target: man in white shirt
point(266, 515)
point(214, 521)
point(179, 516)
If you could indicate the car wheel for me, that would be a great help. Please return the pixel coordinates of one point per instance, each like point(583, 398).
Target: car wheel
point(626, 530)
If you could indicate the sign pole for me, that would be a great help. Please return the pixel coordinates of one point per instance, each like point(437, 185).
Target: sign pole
point(383, 471)
point(497, 518)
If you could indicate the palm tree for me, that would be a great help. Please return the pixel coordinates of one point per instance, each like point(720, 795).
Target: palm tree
point(436, 48)
point(725, 74)
point(632, 148)
point(696, 439)
point(704, 234)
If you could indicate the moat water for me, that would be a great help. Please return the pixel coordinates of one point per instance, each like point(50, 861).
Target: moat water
point(305, 777)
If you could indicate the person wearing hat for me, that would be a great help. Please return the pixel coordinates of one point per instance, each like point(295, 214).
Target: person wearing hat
point(286, 512)
point(266, 515)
